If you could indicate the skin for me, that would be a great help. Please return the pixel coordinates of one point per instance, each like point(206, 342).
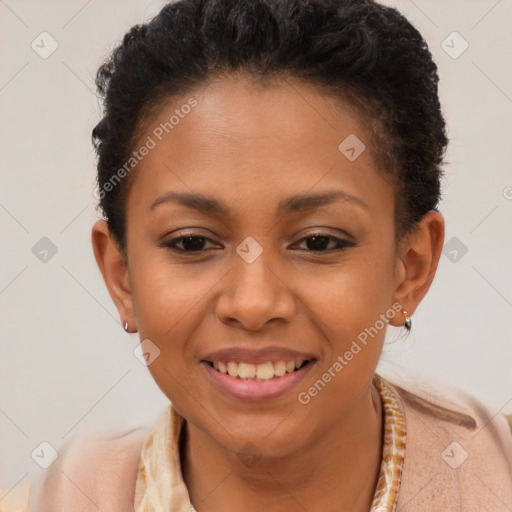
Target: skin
point(324, 455)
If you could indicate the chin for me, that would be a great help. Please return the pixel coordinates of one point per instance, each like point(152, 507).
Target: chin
point(263, 440)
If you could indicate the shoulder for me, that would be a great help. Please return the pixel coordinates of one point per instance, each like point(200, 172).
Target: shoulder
point(458, 452)
point(91, 473)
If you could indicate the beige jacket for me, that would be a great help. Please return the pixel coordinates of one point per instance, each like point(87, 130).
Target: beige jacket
point(454, 461)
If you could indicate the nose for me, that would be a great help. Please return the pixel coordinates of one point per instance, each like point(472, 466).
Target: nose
point(256, 293)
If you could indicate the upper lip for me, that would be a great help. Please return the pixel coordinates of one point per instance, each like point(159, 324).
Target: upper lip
point(252, 355)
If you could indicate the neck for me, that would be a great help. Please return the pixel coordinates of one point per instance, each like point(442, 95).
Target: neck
point(338, 472)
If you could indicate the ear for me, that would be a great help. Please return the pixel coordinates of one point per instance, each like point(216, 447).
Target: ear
point(418, 257)
point(114, 270)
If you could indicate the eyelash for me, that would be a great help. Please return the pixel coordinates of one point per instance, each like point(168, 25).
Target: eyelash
point(341, 243)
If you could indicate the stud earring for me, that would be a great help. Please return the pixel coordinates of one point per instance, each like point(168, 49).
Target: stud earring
point(408, 321)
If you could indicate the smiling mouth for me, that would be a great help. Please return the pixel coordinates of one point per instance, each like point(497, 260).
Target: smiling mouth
point(259, 371)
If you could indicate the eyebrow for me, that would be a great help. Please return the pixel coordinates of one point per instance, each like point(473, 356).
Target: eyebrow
point(297, 203)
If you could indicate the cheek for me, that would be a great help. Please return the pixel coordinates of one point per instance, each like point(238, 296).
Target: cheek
point(350, 307)
point(169, 307)
point(167, 290)
point(351, 296)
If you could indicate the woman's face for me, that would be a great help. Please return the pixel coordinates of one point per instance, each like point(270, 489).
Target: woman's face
point(253, 284)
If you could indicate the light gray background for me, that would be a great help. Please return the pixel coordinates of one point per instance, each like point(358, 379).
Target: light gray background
point(66, 364)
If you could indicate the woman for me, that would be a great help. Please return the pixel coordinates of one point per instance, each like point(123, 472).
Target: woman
point(269, 174)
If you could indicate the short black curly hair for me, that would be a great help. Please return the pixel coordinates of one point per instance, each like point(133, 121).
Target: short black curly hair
point(359, 49)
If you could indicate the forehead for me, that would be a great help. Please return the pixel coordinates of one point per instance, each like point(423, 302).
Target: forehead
point(247, 140)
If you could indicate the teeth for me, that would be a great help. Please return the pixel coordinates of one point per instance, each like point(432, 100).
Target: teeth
point(233, 369)
point(262, 371)
point(290, 366)
point(247, 371)
point(279, 368)
point(265, 371)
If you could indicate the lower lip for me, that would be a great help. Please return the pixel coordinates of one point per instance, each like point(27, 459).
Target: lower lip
point(252, 391)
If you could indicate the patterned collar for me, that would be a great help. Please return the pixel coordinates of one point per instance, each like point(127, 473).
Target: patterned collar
point(160, 464)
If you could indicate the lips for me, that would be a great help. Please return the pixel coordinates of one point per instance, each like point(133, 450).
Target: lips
point(251, 390)
point(256, 356)
point(255, 374)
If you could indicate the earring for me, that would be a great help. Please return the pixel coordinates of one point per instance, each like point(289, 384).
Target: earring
point(126, 326)
point(408, 321)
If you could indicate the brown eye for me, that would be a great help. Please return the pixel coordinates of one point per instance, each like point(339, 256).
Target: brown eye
point(189, 243)
point(319, 242)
